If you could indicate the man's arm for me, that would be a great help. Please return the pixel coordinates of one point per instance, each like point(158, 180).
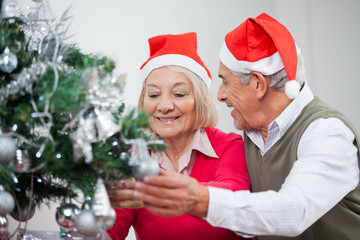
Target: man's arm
point(180, 194)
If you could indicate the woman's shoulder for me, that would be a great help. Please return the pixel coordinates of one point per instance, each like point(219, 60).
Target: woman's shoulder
point(216, 135)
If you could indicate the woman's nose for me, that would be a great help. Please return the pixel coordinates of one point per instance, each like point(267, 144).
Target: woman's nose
point(165, 105)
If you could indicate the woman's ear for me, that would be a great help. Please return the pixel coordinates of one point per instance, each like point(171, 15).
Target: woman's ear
point(260, 84)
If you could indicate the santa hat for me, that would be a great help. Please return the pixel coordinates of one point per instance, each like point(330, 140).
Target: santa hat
point(180, 50)
point(264, 45)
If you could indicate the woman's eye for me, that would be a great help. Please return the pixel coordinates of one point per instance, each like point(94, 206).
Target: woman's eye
point(179, 95)
point(153, 95)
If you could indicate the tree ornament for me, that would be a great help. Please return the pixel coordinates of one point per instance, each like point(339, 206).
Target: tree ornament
point(109, 220)
point(105, 124)
point(7, 202)
point(7, 149)
point(22, 161)
point(23, 214)
point(4, 232)
point(101, 205)
point(10, 10)
point(87, 224)
point(141, 163)
point(8, 61)
point(65, 215)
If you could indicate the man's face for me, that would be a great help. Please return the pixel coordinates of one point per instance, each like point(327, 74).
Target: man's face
point(237, 96)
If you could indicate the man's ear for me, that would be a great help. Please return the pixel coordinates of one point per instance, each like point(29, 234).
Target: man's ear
point(260, 84)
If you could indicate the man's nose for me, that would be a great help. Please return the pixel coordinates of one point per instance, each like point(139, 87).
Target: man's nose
point(221, 95)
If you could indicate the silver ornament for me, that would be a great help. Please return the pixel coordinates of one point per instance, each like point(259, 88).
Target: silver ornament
point(4, 232)
point(22, 161)
point(101, 205)
point(7, 149)
point(87, 224)
point(23, 214)
point(141, 163)
point(7, 202)
point(10, 10)
point(8, 61)
point(109, 220)
point(65, 215)
point(105, 124)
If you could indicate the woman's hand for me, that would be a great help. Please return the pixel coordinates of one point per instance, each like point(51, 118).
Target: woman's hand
point(122, 196)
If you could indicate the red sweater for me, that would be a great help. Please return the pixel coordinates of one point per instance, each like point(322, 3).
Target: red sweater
point(228, 171)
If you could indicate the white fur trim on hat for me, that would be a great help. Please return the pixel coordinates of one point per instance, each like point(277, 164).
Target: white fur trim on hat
point(265, 66)
point(175, 59)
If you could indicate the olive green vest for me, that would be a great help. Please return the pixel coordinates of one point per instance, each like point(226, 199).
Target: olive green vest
point(268, 172)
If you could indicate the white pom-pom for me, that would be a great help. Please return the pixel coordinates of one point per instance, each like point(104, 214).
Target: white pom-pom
point(292, 89)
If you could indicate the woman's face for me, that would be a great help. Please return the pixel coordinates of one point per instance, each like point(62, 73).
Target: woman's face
point(169, 98)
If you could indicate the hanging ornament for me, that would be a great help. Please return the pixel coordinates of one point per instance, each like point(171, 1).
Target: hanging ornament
point(87, 224)
point(10, 10)
point(7, 149)
point(7, 202)
point(141, 163)
point(105, 124)
point(4, 232)
point(8, 61)
point(109, 220)
point(65, 215)
point(22, 161)
point(23, 214)
point(101, 205)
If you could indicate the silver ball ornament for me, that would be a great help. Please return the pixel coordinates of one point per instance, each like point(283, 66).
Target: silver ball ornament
point(109, 220)
point(144, 168)
point(87, 224)
point(7, 149)
point(7, 203)
point(65, 216)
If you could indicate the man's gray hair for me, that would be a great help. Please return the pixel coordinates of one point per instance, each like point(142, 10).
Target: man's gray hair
point(278, 79)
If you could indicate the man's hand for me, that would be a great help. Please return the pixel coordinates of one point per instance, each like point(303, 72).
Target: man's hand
point(172, 194)
point(123, 197)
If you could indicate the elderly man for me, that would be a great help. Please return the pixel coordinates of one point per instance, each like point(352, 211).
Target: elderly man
point(302, 155)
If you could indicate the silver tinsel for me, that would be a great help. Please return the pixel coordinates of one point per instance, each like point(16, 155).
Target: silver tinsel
point(24, 80)
point(96, 122)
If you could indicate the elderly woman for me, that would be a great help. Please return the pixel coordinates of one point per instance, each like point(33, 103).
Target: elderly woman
point(183, 113)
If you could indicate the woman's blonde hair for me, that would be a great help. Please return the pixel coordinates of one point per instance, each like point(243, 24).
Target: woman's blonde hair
point(206, 110)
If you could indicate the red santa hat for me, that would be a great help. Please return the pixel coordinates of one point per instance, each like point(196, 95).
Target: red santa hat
point(180, 50)
point(264, 45)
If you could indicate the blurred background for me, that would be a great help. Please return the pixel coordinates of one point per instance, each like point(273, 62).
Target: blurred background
point(327, 31)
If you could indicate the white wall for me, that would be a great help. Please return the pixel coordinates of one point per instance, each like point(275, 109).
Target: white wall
point(327, 31)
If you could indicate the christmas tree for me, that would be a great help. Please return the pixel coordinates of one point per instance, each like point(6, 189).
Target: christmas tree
point(63, 128)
